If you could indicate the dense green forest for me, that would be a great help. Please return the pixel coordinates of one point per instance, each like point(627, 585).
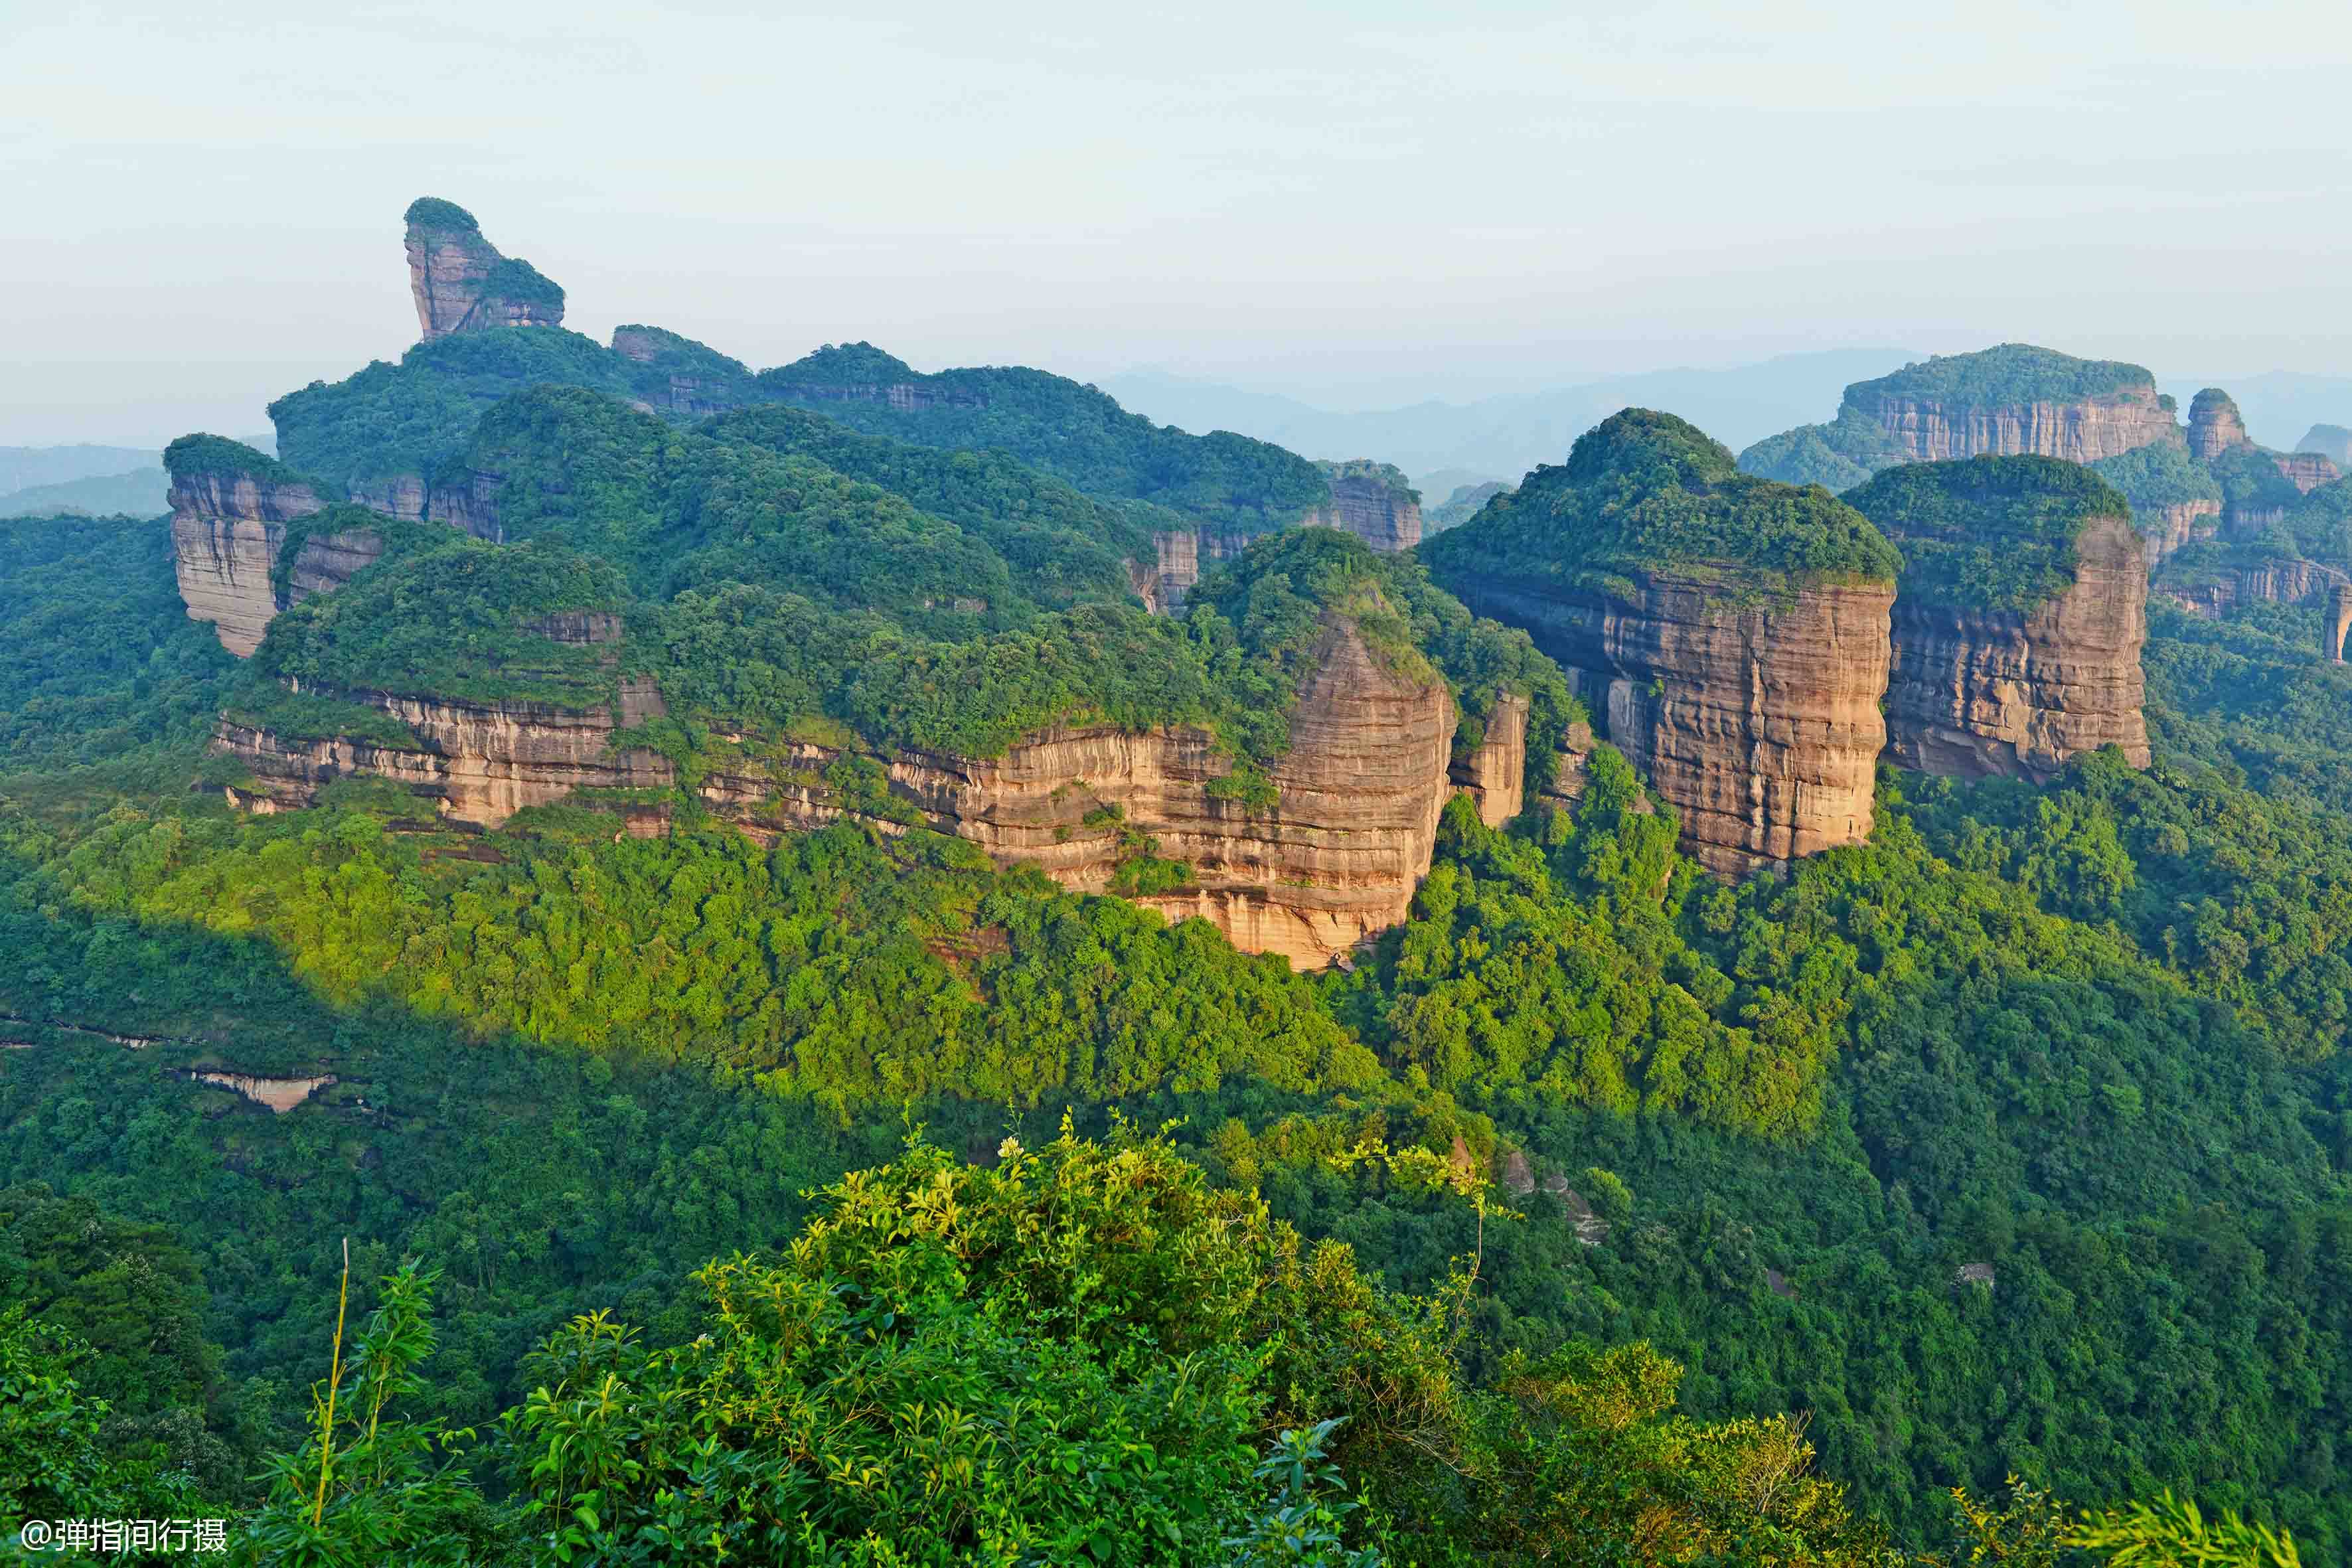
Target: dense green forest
point(1995, 533)
point(850, 1198)
point(1643, 490)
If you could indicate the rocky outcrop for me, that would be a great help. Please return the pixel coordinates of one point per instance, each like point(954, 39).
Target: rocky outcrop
point(479, 762)
point(2340, 621)
point(1335, 858)
point(2215, 426)
point(280, 1094)
point(2306, 471)
point(1927, 430)
point(1495, 773)
point(1980, 692)
point(2282, 582)
point(229, 522)
point(684, 378)
point(1760, 724)
point(2166, 530)
point(1177, 568)
point(462, 284)
point(1372, 502)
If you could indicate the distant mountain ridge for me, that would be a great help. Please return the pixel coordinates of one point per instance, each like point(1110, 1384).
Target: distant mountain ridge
point(1446, 445)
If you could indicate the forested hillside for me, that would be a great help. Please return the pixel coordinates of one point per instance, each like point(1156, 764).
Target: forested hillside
point(757, 1140)
point(2014, 1141)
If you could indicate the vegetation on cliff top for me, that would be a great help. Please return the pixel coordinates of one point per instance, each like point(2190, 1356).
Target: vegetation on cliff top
point(1991, 533)
point(461, 621)
point(433, 212)
point(1644, 492)
point(2160, 474)
point(1069, 430)
point(411, 418)
point(2007, 376)
point(1844, 452)
point(218, 456)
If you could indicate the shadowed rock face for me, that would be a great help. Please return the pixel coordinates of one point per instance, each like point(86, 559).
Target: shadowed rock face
point(1978, 692)
point(1761, 726)
point(1334, 860)
point(462, 284)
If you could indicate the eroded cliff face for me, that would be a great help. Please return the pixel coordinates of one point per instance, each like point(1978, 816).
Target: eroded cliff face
point(2279, 582)
point(226, 531)
point(461, 283)
point(1976, 692)
point(1496, 773)
point(1383, 515)
point(1759, 725)
point(1334, 860)
point(1927, 431)
point(2172, 528)
point(2306, 471)
point(2215, 426)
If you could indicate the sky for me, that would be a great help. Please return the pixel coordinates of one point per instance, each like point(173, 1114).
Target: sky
point(1361, 205)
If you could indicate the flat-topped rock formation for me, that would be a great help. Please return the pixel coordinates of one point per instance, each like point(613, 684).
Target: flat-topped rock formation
point(2009, 401)
point(1729, 633)
point(462, 284)
point(2018, 618)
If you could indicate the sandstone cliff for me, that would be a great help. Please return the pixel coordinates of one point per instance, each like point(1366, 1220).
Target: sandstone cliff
point(1977, 691)
point(1333, 860)
point(1927, 431)
point(2306, 471)
point(2166, 530)
point(1729, 633)
point(1760, 724)
point(2214, 425)
point(2018, 617)
point(462, 284)
point(2281, 581)
point(1372, 502)
point(230, 510)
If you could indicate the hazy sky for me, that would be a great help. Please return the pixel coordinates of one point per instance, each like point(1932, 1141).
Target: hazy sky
point(1364, 203)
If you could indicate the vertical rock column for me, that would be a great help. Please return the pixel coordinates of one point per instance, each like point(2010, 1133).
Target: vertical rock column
point(2339, 619)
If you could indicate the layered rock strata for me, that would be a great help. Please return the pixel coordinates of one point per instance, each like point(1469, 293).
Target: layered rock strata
point(1335, 859)
point(2282, 582)
point(1979, 691)
point(1759, 725)
point(226, 532)
point(462, 284)
point(1373, 503)
point(1925, 430)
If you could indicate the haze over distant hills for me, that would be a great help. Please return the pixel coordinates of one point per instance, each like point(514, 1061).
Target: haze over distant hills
point(1443, 444)
point(1447, 444)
